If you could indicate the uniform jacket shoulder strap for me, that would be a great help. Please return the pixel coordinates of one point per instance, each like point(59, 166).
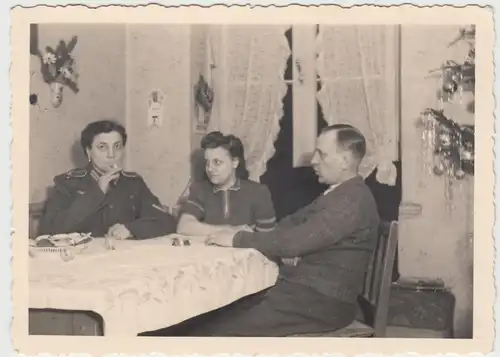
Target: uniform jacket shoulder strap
point(76, 173)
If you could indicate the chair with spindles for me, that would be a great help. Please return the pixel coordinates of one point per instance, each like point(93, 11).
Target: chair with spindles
point(35, 214)
point(374, 302)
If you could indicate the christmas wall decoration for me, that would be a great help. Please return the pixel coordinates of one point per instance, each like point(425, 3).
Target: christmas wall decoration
point(204, 98)
point(58, 69)
point(452, 145)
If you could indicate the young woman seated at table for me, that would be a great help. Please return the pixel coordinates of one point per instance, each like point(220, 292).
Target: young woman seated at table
point(226, 197)
point(101, 198)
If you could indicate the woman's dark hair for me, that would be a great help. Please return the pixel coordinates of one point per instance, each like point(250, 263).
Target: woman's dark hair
point(98, 127)
point(233, 146)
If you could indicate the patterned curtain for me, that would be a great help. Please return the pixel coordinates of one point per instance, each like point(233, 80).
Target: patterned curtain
point(249, 87)
point(358, 70)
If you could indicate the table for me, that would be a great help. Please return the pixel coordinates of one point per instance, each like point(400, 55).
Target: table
point(150, 284)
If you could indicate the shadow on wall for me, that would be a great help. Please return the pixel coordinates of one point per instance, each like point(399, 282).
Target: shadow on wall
point(78, 157)
point(78, 160)
point(197, 165)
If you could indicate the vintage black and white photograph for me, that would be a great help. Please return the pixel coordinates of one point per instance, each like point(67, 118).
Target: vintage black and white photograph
point(291, 179)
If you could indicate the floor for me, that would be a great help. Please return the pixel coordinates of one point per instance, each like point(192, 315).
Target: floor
point(408, 332)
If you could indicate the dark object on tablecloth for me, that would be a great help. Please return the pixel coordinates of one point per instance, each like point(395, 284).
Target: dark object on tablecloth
point(422, 305)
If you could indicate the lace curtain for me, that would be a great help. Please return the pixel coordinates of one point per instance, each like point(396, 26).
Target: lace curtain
point(249, 87)
point(357, 66)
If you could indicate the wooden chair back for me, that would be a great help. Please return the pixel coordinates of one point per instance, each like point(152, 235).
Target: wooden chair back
point(374, 301)
point(35, 214)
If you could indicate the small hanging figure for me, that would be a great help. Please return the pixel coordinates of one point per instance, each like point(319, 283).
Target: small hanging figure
point(204, 98)
point(155, 108)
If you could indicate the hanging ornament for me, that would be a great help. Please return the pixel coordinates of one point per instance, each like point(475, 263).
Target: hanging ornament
point(453, 149)
point(448, 148)
point(467, 69)
point(459, 174)
point(450, 145)
point(467, 149)
point(445, 138)
point(450, 81)
point(439, 168)
point(466, 155)
point(448, 193)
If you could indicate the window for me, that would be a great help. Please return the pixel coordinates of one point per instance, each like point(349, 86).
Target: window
point(303, 83)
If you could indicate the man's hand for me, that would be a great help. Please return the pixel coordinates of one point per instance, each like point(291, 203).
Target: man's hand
point(119, 231)
point(222, 238)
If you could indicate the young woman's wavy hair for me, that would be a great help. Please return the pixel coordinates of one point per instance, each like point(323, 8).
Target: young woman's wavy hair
point(233, 146)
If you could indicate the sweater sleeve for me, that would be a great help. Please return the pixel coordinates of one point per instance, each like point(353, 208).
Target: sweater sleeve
point(318, 231)
point(265, 218)
point(153, 219)
point(195, 203)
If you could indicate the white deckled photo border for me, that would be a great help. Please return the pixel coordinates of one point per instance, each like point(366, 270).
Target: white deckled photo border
point(484, 291)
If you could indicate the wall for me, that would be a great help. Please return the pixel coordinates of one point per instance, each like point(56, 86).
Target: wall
point(119, 65)
point(158, 57)
point(438, 242)
point(54, 132)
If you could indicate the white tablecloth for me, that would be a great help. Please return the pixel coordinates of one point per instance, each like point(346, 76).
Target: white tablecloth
point(147, 285)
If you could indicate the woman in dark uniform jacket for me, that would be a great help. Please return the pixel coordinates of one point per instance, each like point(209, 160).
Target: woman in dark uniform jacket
point(226, 197)
point(101, 198)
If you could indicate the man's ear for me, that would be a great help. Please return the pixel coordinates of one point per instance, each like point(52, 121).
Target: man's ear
point(235, 163)
point(346, 157)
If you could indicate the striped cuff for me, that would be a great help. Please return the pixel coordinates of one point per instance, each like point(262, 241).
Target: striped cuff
point(265, 225)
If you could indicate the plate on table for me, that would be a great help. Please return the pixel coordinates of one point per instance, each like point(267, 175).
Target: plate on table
point(60, 246)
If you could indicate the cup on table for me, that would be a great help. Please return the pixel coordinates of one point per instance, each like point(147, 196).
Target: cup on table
point(66, 255)
point(109, 243)
point(180, 242)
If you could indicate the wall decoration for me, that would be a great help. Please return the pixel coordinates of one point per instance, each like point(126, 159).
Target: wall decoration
point(155, 108)
point(459, 77)
point(33, 99)
point(452, 145)
point(58, 69)
point(448, 147)
point(204, 98)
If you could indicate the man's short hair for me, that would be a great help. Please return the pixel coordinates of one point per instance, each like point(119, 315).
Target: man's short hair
point(349, 138)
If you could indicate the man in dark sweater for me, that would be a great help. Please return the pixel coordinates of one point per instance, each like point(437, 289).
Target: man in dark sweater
point(331, 240)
